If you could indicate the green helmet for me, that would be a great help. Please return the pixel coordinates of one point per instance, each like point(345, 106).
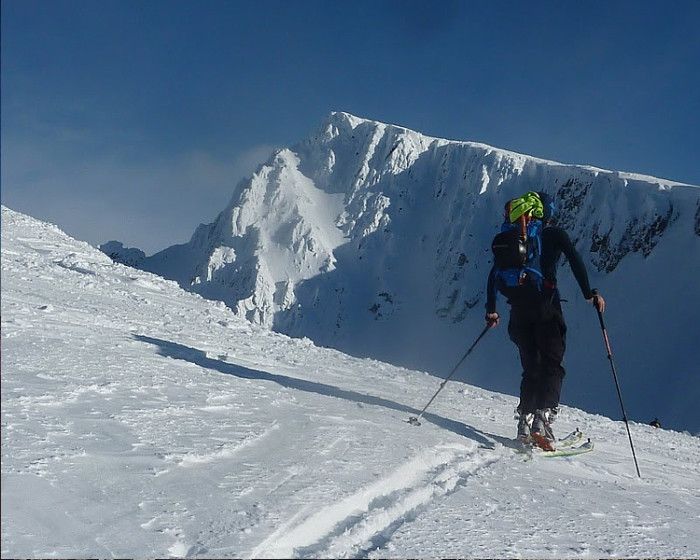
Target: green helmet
point(529, 204)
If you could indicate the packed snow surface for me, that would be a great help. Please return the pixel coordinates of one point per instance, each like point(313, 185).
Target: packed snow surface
point(139, 420)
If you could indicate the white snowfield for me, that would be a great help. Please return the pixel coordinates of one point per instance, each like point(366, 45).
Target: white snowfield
point(139, 420)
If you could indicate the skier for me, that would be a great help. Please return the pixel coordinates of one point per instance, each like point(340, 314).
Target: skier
point(537, 324)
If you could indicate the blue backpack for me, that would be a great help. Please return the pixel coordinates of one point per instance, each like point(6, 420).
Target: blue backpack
point(518, 247)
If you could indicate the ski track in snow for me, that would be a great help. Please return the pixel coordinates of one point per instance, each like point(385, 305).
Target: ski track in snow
point(366, 519)
point(142, 421)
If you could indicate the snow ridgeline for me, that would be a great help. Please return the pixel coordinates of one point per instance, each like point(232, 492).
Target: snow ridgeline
point(374, 239)
point(139, 420)
point(386, 195)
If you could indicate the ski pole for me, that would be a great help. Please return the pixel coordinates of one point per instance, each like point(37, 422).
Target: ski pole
point(415, 420)
point(617, 383)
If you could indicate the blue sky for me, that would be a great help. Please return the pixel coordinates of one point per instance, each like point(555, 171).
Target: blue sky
point(134, 120)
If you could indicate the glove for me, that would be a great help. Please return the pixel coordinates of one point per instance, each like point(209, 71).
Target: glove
point(492, 319)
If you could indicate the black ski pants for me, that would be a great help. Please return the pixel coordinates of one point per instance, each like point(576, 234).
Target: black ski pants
point(538, 329)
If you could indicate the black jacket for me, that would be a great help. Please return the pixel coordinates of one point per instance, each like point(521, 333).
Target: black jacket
point(555, 241)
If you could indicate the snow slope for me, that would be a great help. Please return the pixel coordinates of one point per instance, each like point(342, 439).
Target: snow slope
point(139, 420)
point(375, 240)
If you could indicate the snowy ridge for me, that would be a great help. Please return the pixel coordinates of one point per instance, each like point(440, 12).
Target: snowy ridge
point(140, 420)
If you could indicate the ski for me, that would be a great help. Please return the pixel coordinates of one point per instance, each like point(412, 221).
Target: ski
point(566, 451)
point(570, 440)
point(567, 446)
point(567, 441)
point(585, 447)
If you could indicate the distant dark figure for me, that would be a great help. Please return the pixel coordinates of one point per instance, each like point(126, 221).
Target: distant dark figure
point(655, 422)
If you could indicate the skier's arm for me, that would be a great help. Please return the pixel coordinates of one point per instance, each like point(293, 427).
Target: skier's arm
point(576, 264)
point(491, 314)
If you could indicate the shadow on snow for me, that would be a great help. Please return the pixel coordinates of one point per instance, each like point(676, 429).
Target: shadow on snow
point(198, 357)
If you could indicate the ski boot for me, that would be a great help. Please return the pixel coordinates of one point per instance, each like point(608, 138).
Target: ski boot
point(525, 420)
point(541, 432)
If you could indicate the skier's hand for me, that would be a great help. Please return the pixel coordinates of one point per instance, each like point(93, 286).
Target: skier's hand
point(598, 302)
point(492, 319)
